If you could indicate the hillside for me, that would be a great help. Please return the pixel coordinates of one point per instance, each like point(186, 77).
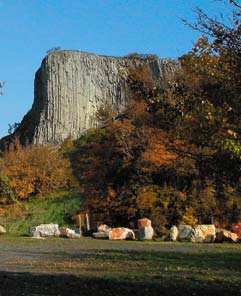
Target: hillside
point(174, 156)
point(56, 208)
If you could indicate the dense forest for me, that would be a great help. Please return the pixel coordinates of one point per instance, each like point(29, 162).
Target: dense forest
point(174, 156)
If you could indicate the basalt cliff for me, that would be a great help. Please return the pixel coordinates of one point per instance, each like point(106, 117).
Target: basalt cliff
point(71, 85)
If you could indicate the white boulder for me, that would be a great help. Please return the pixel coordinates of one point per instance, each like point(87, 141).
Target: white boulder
point(173, 233)
point(204, 234)
point(145, 233)
point(67, 232)
point(45, 230)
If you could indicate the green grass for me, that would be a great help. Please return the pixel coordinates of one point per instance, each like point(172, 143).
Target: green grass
point(51, 209)
point(97, 267)
point(100, 267)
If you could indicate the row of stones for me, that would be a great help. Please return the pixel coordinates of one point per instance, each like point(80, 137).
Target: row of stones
point(144, 232)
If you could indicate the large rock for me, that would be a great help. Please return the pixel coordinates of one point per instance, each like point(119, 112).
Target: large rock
point(204, 234)
point(121, 233)
point(236, 228)
point(67, 232)
point(223, 235)
point(145, 233)
point(173, 234)
point(2, 230)
point(71, 85)
point(185, 233)
point(144, 222)
point(45, 230)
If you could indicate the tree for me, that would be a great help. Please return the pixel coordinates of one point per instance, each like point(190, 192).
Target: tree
point(1, 86)
point(12, 127)
point(35, 170)
point(175, 157)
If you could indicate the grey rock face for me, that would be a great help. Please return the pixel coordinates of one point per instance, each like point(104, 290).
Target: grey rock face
point(69, 88)
point(145, 233)
point(185, 233)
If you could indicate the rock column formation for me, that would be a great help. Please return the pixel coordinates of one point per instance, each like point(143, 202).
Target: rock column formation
point(69, 88)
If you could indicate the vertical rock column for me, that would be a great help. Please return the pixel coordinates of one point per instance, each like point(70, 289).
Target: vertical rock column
point(70, 86)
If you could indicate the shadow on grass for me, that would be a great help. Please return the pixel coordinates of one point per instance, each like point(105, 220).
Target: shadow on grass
point(225, 261)
point(44, 284)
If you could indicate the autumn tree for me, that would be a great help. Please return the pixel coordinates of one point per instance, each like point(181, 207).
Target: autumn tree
point(34, 170)
point(175, 157)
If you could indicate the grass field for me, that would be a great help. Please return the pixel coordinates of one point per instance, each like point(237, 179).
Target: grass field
point(100, 267)
point(51, 209)
point(94, 267)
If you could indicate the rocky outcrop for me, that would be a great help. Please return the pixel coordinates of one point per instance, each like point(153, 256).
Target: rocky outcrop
point(71, 85)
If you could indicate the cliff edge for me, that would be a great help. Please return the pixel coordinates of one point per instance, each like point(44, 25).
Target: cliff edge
point(69, 88)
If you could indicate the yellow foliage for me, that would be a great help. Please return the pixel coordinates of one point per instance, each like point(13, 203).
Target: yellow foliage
point(147, 197)
point(35, 170)
point(189, 217)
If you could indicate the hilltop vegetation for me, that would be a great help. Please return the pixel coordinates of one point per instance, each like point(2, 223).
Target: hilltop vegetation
point(174, 157)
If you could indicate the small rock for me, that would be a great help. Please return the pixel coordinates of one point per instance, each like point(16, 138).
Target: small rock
point(204, 234)
point(145, 233)
point(2, 230)
point(67, 232)
point(101, 235)
point(121, 233)
point(223, 235)
point(185, 233)
point(173, 233)
point(104, 228)
point(144, 222)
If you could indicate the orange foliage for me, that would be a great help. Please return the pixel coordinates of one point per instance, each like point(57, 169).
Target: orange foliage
point(157, 152)
point(35, 170)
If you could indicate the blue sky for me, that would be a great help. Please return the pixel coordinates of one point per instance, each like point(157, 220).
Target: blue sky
point(111, 27)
